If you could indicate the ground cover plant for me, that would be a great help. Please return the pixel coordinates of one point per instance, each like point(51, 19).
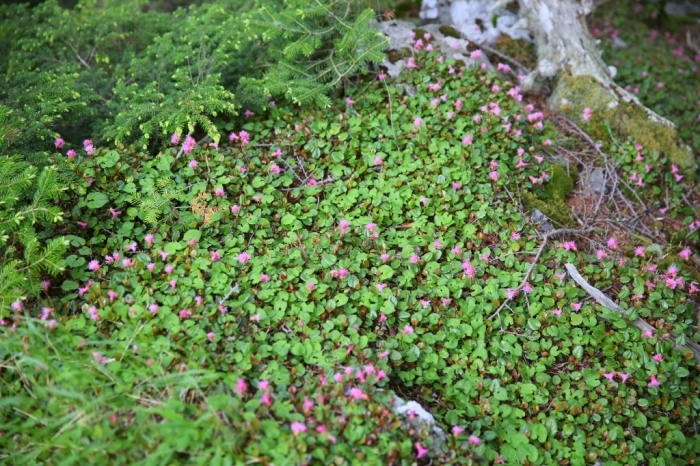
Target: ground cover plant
point(260, 299)
point(659, 65)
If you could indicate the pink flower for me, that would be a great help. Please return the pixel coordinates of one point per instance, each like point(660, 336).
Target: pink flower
point(557, 312)
point(475, 54)
point(264, 278)
point(527, 288)
point(215, 256)
point(474, 440)
point(601, 254)
point(384, 257)
point(71, 154)
point(587, 112)
point(310, 286)
point(494, 175)
point(420, 451)
point(241, 387)
point(456, 430)
point(298, 428)
point(647, 334)
point(94, 265)
point(407, 329)
point(569, 246)
point(658, 357)
point(639, 251)
point(94, 314)
point(173, 283)
point(349, 102)
point(456, 186)
point(377, 160)
point(653, 382)
point(17, 305)
point(153, 308)
point(685, 254)
point(112, 295)
point(610, 376)
point(357, 394)
point(243, 257)
point(211, 336)
point(577, 306)
point(193, 164)
point(499, 460)
point(188, 145)
point(59, 142)
point(612, 243)
point(414, 259)
point(175, 138)
point(457, 250)
point(371, 226)
point(417, 122)
point(623, 376)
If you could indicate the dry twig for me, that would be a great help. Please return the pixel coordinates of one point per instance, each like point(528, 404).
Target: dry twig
point(599, 296)
point(545, 239)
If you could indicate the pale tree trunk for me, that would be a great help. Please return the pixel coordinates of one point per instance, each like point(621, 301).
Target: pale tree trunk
point(569, 61)
point(568, 55)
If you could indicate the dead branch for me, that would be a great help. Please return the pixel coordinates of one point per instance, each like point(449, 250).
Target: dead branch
point(599, 296)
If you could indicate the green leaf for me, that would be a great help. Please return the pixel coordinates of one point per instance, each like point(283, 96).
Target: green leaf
point(96, 200)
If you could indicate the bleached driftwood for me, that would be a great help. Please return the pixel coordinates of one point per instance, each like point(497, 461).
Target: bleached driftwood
point(610, 304)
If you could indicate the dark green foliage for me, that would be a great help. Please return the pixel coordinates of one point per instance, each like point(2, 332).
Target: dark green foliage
point(118, 70)
point(27, 256)
point(317, 46)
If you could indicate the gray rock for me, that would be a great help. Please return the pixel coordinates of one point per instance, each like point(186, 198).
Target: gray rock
point(596, 180)
point(421, 419)
point(541, 220)
point(618, 43)
point(682, 8)
point(464, 14)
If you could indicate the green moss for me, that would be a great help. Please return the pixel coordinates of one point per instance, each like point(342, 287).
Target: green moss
point(574, 93)
point(521, 50)
point(560, 184)
point(420, 33)
point(550, 200)
point(449, 31)
point(556, 210)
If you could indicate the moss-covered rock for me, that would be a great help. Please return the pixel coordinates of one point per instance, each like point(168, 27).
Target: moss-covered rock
point(449, 31)
point(574, 93)
point(556, 210)
point(521, 50)
point(550, 199)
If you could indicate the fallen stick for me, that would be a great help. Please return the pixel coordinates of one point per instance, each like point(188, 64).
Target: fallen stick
point(610, 304)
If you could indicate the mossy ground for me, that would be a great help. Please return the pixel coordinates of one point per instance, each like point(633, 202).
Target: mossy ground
point(573, 94)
